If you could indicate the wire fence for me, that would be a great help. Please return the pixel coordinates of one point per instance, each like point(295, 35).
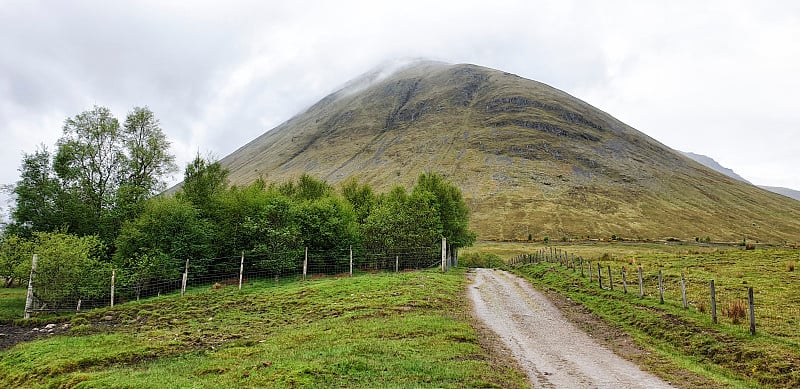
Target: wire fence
point(113, 286)
point(731, 304)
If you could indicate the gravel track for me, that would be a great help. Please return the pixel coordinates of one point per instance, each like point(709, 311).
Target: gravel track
point(550, 349)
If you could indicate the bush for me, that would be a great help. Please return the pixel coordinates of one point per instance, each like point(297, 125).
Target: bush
point(736, 310)
point(480, 259)
point(790, 266)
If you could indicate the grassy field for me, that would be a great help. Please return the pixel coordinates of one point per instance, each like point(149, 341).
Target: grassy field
point(12, 304)
point(386, 330)
point(726, 351)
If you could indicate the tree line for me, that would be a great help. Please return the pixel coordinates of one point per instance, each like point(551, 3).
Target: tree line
point(96, 204)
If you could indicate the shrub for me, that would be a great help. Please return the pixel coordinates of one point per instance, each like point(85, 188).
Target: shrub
point(530, 237)
point(790, 266)
point(480, 259)
point(546, 239)
point(701, 307)
point(735, 310)
point(749, 246)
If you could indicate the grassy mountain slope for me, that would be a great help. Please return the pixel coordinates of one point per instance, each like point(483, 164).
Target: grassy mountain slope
point(530, 159)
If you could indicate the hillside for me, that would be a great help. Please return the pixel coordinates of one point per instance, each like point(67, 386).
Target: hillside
point(530, 159)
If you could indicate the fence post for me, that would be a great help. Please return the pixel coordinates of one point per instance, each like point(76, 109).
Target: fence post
point(641, 284)
point(581, 259)
point(78, 308)
point(185, 278)
point(599, 276)
point(113, 278)
point(396, 263)
point(305, 265)
point(351, 260)
point(590, 271)
point(444, 254)
point(624, 282)
point(610, 280)
point(241, 271)
point(660, 288)
point(29, 299)
point(713, 303)
point(752, 303)
point(683, 291)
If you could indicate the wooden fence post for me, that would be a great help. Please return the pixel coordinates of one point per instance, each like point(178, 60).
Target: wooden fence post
point(713, 303)
point(351, 261)
point(305, 265)
point(599, 276)
point(78, 308)
point(581, 260)
point(29, 299)
point(241, 271)
point(610, 280)
point(660, 288)
point(624, 282)
point(590, 271)
point(641, 284)
point(396, 263)
point(683, 291)
point(113, 278)
point(185, 278)
point(444, 254)
point(752, 304)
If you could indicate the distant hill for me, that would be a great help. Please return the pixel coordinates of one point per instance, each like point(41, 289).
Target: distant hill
point(795, 194)
point(529, 158)
point(711, 163)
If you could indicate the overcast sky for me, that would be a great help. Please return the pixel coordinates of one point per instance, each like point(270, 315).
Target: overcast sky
point(720, 78)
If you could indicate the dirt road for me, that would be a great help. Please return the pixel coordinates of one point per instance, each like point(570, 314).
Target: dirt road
point(552, 351)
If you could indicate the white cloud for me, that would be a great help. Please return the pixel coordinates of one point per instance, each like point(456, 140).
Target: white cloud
point(716, 77)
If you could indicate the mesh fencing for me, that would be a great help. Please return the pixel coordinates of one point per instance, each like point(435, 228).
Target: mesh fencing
point(99, 289)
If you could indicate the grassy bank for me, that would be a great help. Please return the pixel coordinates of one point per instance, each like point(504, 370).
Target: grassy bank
point(12, 304)
point(687, 338)
point(385, 330)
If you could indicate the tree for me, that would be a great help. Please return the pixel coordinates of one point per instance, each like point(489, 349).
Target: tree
point(168, 226)
point(361, 197)
point(89, 158)
point(99, 176)
point(69, 267)
point(202, 180)
point(14, 251)
point(147, 157)
point(453, 211)
point(37, 196)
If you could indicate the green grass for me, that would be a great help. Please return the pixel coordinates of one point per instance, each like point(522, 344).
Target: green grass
point(724, 352)
point(386, 330)
point(12, 304)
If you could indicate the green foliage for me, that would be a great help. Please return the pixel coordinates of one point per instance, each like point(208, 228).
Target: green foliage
point(202, 181)
point(170, 230)
point(69, 267)
point(98, 177)
point(400, 220)
point(480, 259)
point(448, 201)
point(361, 197)
point(14, 252)
point(37, 196)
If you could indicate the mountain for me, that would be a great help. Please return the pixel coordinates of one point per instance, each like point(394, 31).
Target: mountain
point(711, 163)
point(529, 158)
point(795, 194)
